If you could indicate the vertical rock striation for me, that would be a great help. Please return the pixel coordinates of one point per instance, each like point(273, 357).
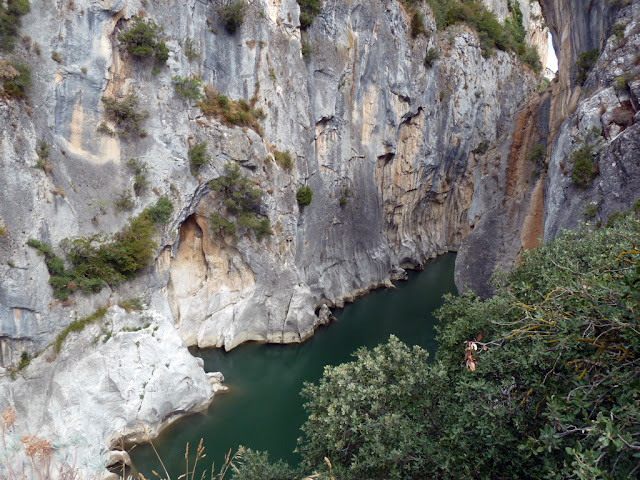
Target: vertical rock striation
point(406, 160)
point(599, 106)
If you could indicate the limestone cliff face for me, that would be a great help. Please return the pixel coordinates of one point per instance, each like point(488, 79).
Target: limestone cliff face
point(559, 119)
point(364, 119)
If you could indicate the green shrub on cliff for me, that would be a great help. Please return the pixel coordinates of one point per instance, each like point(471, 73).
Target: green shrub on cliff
point(189, 88)
point(142, 40)
point(11, 13)
point(309, 9)
point(538, 382)
point(242, 201)
point(232, 16)
point(97, 260)
point(510, 36)
point(17, 85)
point(231, 112)
point(585, 61)
point(304, 195)
point(584, 167)
point(126, 114)
point(198, 157)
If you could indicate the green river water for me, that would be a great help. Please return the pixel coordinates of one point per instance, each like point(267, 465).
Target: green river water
point(263, 408)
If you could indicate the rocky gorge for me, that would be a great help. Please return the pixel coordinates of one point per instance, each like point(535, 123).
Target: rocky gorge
point(406, 160)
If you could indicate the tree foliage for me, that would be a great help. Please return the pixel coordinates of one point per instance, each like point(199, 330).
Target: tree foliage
point(541, 381)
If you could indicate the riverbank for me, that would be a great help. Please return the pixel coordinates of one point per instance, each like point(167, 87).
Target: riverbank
point(263, 408)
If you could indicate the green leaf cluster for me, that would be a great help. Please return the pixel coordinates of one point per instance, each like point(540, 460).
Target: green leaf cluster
point(309, 9)
point(304, 195)
point(255, 465)
point(11, 13)
point(143, 40)
point(242, 201)
point(96, 261)
point(159, 213)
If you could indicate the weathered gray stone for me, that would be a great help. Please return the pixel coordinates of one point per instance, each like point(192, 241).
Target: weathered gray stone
point(384, 142)
point(110, 381)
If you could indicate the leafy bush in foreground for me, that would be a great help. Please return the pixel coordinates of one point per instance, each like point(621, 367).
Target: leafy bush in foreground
point(539, 381)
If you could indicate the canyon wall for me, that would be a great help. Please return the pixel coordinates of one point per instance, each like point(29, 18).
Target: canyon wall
point(595, 105)
point(406, 160)
point(362, 117)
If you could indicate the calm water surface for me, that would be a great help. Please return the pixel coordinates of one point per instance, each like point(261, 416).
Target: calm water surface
point(263, 408)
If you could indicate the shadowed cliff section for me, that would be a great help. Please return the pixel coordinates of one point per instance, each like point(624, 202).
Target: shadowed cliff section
point(599, 97)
